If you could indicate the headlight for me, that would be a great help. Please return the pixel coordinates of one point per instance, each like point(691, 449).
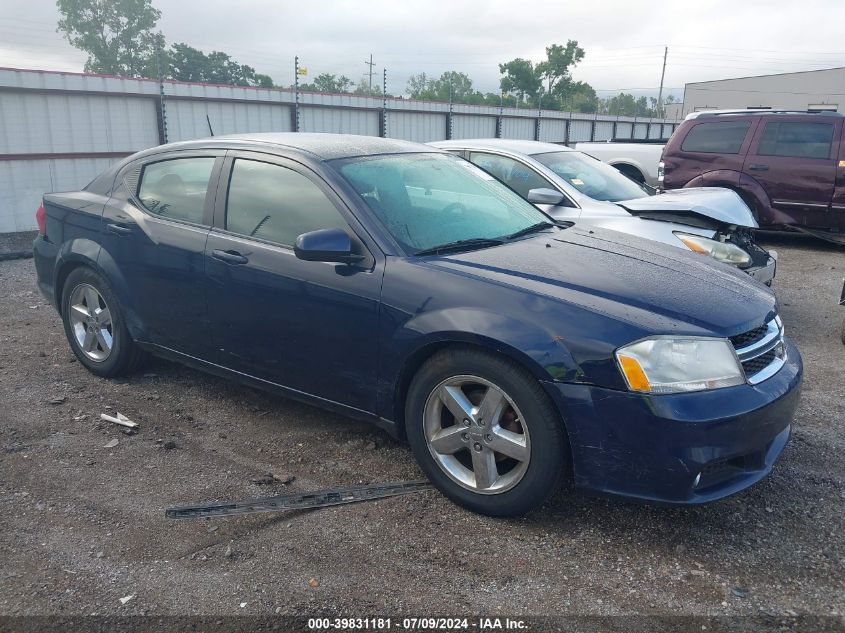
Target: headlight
point(672, 365)
point(720, 251)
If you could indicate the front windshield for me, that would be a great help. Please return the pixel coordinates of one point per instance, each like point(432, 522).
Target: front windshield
point(591, 177)
point(428, 200)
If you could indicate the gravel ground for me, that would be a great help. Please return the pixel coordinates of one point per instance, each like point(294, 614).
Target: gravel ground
point(83, 525)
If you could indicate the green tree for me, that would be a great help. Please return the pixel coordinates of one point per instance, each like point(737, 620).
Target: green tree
point(326, 82)
point(417, 86)
point(456, 84)
point(186, 63)
point(118, 35)
point(578, 96)
point(554, 70)
point(364, 89)
point(520, 77)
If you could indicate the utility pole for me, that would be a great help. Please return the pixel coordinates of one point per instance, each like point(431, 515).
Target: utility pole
point(662, 76)
point(370, 64)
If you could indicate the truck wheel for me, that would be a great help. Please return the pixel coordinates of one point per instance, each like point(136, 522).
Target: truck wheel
point(95, 326)
point(631, 172)
point(485, 432)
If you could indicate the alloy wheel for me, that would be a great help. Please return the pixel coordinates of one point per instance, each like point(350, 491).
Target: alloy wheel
point(476, 434)
point(91, 322)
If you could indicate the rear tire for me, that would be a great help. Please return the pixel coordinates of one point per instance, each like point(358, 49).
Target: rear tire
point(95, 325)
point(506, 452)
point(631, 172)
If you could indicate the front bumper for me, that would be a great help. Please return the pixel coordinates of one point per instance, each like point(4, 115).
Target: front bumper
point(681, 448)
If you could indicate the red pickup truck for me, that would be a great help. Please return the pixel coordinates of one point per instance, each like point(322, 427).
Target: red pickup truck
point(788, 166)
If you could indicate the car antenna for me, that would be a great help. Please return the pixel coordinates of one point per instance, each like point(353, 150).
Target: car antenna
point(210, 131)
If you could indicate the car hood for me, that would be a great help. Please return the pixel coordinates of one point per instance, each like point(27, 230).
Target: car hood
point(715, 203)
point(628, 278)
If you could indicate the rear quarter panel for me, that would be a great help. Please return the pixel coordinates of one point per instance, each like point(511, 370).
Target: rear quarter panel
point(72, 237)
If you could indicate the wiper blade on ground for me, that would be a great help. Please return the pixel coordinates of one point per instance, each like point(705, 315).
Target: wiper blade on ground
point(460, 245)
point(530, 229)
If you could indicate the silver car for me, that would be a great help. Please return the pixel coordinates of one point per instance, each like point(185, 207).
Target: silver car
point(574, 186)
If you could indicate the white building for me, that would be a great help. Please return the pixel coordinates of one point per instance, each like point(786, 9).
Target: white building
point(808, 90)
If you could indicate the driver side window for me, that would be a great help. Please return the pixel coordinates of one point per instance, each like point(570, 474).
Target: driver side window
point(514, 174)
point(277, 204)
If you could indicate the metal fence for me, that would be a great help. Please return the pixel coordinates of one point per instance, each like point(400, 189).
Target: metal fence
point(59, 130)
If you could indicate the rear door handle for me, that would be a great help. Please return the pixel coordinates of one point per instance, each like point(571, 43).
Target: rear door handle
point(119, 229)
point(229, 257)
point(758, 167)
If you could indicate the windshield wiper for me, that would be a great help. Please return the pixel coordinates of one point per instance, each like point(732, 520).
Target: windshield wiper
point(530, 229)
point(461, 245)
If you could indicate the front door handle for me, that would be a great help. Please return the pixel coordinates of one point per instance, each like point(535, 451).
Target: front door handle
point(119, 229)
point(758, 167)
point(229, 257)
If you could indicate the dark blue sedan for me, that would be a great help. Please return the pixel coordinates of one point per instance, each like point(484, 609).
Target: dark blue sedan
point(396, 283)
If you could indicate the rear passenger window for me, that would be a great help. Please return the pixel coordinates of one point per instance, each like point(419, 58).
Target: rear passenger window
point(797, 139)
point(723, 137)
point(276, 204)
point(176, 188)
point(514, 174)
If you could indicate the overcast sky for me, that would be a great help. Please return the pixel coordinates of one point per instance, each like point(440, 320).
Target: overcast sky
point(623, 39)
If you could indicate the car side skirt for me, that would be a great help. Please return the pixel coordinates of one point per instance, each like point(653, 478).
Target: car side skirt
point(389, 426)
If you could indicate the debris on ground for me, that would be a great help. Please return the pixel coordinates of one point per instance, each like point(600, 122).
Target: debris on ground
point(300, 500)
point(126, 599)
point(57, 400)
point(112, 444)
point(169, 446)
point(121, 419)
point(313, 583)
point(270, 478)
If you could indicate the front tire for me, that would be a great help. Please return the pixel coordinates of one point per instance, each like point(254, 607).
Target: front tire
point(95, 325)
point(485, 432)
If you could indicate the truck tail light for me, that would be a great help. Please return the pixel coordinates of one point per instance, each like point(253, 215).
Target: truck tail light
point(41, 220)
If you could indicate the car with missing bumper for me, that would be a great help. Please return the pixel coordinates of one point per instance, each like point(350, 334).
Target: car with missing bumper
point(399, 284)
point(574, 186)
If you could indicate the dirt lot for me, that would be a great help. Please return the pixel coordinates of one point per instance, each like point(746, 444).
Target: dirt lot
point(84, 525)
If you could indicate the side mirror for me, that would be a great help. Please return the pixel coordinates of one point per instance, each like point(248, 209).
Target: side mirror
point(545, 196)
point(326, 245)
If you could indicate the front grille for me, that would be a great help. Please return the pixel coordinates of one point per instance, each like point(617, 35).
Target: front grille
point(751, 336)
point(761, 350)
point(756, 365)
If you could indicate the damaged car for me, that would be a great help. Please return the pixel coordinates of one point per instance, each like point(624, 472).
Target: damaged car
point(398, 284)
point(571, 185)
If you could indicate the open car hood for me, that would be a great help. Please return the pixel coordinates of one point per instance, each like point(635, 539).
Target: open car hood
point(701, 204)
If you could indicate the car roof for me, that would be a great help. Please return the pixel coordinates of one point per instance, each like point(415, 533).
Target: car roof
point(510, 145)
point(319, 146)
point(703, 114)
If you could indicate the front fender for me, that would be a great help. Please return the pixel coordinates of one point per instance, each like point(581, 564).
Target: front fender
point(537, 348)
point(550, 356)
